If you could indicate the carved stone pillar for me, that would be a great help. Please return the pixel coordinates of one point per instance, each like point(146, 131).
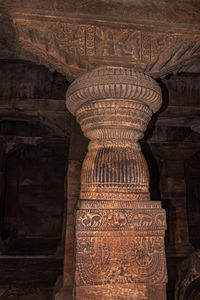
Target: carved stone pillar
point(119, 231)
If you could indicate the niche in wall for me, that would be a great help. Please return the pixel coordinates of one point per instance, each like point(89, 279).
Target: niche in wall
point(192, 175)
point(34, 199)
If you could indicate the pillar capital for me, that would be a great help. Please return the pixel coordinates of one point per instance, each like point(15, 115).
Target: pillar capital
point(114, 83)
point(113, 106)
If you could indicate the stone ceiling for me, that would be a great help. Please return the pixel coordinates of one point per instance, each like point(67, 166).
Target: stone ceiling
point(169, 11)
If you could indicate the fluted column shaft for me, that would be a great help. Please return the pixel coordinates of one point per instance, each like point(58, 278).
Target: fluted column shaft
point(119, 231)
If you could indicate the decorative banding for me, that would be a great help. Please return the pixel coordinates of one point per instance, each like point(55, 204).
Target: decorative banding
point(138, 206)
point(116, 196)
point(113, 83)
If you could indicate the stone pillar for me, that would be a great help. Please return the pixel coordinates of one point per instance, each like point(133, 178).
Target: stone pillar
point(2, 191)
point(77, 151)
point(179, 244)
point(119, 231)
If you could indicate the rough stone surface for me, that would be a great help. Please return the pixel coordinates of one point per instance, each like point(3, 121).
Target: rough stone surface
point(33, 162)
point(174, 145)
point(28, 293)
point(187, 286)
point(134, 9)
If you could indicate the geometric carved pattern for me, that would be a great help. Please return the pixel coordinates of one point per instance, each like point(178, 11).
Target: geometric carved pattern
point(72, 47)
point(115, 83)
point(119, 231)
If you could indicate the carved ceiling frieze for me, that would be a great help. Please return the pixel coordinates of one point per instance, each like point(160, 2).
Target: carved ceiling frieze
point(73, 46)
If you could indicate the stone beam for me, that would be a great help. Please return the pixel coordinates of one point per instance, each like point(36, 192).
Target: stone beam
point(73, 45)
point(119, 231)
point(180, 11)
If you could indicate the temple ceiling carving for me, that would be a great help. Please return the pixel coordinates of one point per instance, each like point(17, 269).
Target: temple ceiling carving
point(77, 39)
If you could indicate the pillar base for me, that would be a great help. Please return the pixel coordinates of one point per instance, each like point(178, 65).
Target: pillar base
point(120, 252)
point(122, 292)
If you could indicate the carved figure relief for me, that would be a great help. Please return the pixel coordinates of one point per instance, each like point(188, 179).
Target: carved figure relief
point(120, 219)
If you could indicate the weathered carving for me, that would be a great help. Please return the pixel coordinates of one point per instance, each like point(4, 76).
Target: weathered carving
point(119, 232)
point(120, 219)
point(138, 259)
point(72, 46)
point(117, 42)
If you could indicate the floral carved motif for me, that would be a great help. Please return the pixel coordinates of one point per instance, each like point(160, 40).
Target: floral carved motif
point(137, 259)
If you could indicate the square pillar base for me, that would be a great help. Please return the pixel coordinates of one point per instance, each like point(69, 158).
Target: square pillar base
point(121, 292)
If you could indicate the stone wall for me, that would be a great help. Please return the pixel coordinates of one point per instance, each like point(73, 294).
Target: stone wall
point(172, 145)
point(34, 146)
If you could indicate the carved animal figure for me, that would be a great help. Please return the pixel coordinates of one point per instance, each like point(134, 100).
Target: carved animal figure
point(160, 220)
point(117, 219)
point(91, 220)
point(146, 221)
point(95, 221)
